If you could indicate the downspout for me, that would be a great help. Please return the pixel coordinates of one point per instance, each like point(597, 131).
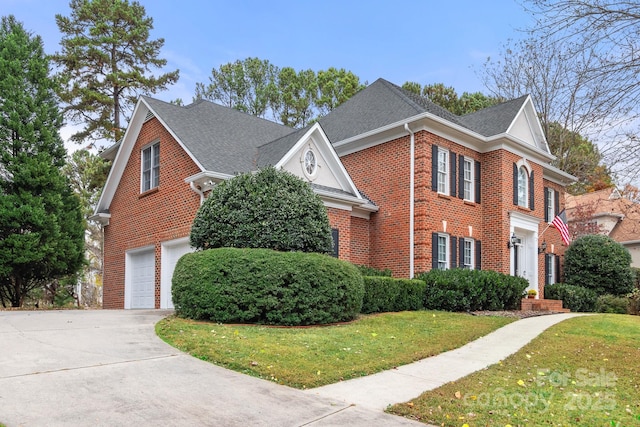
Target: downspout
point(197, 191)
point(411, 201)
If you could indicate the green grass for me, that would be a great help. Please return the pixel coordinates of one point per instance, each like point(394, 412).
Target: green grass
point(314, 356)
point(584, 371)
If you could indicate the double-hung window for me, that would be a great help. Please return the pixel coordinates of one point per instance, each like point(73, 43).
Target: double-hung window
point(523, 180)
point(551, 268)
point(150, 167)
point(550, 202)
point(443, 171)
point(468, 179)
point(443, 251)
point(468, 254)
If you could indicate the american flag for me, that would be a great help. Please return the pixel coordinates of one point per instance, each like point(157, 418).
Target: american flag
point(560, 223)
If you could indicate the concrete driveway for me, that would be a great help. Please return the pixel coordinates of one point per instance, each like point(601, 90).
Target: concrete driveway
point(107, 367)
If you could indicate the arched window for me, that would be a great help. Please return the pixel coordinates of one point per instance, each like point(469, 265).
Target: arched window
point(523, 180)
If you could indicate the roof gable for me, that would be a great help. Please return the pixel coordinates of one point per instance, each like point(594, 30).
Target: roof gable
point(330, 173)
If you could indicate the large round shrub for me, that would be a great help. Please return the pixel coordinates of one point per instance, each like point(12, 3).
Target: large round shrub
point(270, 209)
point(263, 286)
point(599, 263)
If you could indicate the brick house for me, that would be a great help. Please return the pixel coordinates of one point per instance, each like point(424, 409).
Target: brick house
point(607, 212)
point(407, 185)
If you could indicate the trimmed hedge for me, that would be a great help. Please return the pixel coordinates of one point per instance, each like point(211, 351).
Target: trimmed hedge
point(612, 304)
point(384, 294)
point(471, 290)
point(575, 298)
point(230, 285)
point(370, 271)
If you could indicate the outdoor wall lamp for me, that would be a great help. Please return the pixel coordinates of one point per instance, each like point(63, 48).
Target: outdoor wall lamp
point(512, 241)
point(543, 247)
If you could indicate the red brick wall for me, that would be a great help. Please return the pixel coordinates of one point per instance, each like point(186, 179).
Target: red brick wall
point(382, 172)
point(360, 241)
point(139, 220)
point(341, 219)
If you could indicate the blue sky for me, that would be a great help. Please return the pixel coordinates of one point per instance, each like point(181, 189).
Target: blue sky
point(426, 41)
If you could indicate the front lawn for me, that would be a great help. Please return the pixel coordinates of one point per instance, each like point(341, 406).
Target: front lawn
point(584, 371)
point(315, 356)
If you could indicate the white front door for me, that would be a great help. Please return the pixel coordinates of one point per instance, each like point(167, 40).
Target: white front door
point(140, 270)
point(524, 253)
point(171, 253)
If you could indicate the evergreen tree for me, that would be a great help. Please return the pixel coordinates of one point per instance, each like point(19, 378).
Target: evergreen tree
point(41, 230)
point(106, 62)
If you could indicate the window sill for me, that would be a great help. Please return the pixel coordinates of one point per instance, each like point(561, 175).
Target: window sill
point(149, 192)
point(470, 203)
point(523, 209)
point(444, 196)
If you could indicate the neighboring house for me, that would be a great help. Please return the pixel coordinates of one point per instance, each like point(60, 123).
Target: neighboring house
point(408, 186)
point(606, 212)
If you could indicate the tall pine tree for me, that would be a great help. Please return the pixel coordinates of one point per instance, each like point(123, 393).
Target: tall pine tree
point(41, 230)
point(106, 62)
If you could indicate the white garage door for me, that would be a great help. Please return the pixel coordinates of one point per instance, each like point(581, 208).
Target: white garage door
point(141, 266)
point(171, 253)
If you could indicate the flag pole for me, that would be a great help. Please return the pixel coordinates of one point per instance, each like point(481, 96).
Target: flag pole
point(548, 225)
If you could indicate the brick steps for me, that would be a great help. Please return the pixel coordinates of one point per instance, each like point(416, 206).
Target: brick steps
point(532, 304)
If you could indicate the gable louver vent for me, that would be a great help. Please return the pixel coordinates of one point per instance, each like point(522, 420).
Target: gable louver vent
point(149, 116)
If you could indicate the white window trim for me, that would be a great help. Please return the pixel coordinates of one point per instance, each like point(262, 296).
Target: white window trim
point(154, 171)
point(472, 181)
point(472, 255)
point(447, 248)
point(551, 201)
point(523, 196)
point(443, 173)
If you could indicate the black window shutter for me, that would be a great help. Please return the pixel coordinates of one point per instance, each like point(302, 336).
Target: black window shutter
point(461, 177)
point(547, 268)
point(546, 205)
point(434, 250)
point(556, 206)
point(454, 252)
point(532, 192)
point(335, 235)
point(453, 177)
point(557, 266)
point(477, 178)
point(515, 184)
point(461, 252)
point(434, 167)
point(478, 255)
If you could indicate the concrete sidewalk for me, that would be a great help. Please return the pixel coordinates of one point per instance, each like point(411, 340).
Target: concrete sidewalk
point(409, 381)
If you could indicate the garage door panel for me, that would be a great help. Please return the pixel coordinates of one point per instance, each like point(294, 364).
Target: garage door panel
point(171, 253)
point(142, 266)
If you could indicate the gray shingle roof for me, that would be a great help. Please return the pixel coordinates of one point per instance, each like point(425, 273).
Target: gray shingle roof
point(222, 139)
point(383, 103)
point(271, 153)
point(493, 120)
point(229, 141)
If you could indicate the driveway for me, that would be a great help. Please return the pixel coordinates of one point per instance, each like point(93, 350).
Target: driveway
point(107, 367)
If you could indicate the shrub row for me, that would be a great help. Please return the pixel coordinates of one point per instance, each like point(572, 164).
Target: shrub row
point(471, 290)
point(370, 271)
point(385, 294)
point(575, 298)
point(262, 286)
